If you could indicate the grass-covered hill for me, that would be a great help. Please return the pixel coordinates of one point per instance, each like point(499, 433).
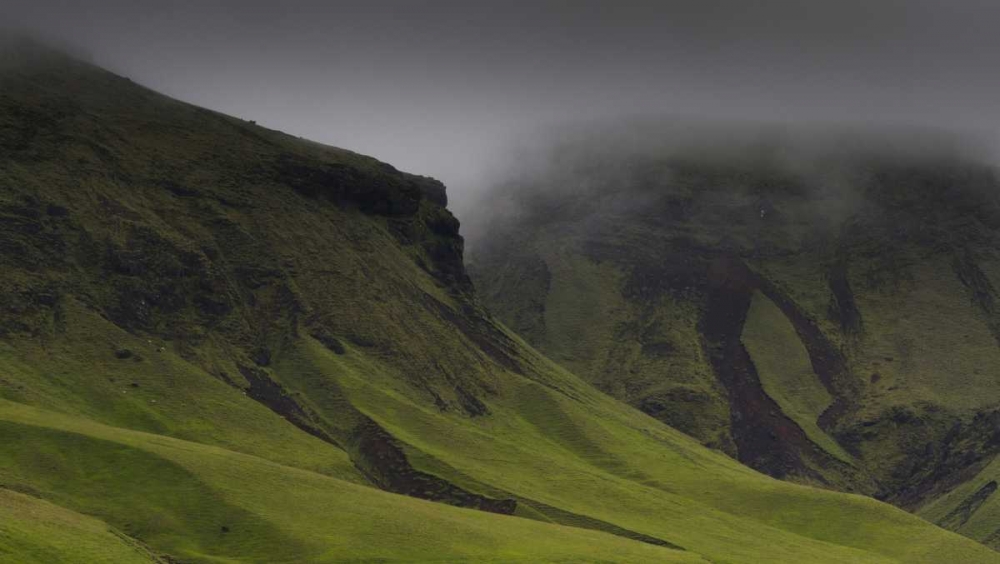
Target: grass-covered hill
point(821, 307)
point(222, 344)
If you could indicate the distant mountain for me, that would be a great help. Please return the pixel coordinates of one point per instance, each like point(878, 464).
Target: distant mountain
point(821, 307)
point(220, 343)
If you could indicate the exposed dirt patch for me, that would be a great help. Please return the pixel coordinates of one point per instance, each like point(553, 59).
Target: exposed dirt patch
point(961, 514)
point(375, 452)
point(381, 460)
point(328, 340)
point(268, 392)
point(940, 451)
point(766, 439)
point(471, 403)
point(827, 361)
point(584, 522)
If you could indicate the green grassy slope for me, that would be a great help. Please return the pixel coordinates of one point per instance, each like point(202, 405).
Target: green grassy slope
point(971, 508)
point(205, 504)
point(786, 372)
point(588, 456)
point(550, 451)
point(231, 345)
point(831, 320)
point(37, 532)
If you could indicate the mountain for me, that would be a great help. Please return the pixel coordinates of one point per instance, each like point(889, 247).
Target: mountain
point(821, 306)
point(221, 343)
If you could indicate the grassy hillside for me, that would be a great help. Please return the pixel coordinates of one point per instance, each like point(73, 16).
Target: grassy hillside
point(33, 531)
point(786, 372)
point(823, 314)
point(204, 504)
point(219, 343)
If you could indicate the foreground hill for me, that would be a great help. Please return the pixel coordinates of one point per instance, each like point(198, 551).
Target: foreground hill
point(219, 343)
point(820, 307)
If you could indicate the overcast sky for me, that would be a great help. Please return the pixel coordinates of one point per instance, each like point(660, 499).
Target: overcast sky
point(442, 88)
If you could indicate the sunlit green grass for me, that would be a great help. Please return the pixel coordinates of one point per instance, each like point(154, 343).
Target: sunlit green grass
point(33, 531)
point(589, 456)
point(593, 457)
point(211, 505)
point(785, 371)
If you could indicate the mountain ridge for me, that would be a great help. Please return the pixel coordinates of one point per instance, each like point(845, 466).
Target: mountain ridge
point(704, 266)
point(229, 344)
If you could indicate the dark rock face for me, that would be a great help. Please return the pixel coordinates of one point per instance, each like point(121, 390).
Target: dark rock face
point(961, 514)
point(385, 463)
point(227, 243)
point(433, 190)
point(262, 388)
point(691, 239)
point(766, 438)
point(346, 185)
point(322, 335)
point(446, 254)
point(375, 452)
point(939, 450)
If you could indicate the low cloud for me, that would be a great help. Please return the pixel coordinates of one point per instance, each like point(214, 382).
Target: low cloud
point(597, 171)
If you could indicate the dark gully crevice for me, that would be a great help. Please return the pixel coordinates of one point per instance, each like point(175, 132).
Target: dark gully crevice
point(766, 439)
point(375, 452)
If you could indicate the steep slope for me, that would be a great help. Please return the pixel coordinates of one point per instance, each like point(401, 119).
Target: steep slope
point(231, 345)
point(819, 313)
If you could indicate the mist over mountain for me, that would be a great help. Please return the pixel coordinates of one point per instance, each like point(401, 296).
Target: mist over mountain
point(444, 88)
point(819, 303)
point(691, 282)
point(623, 166)
point(222, 342)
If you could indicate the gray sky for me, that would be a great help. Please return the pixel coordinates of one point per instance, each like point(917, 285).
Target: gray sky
point(442, 88)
